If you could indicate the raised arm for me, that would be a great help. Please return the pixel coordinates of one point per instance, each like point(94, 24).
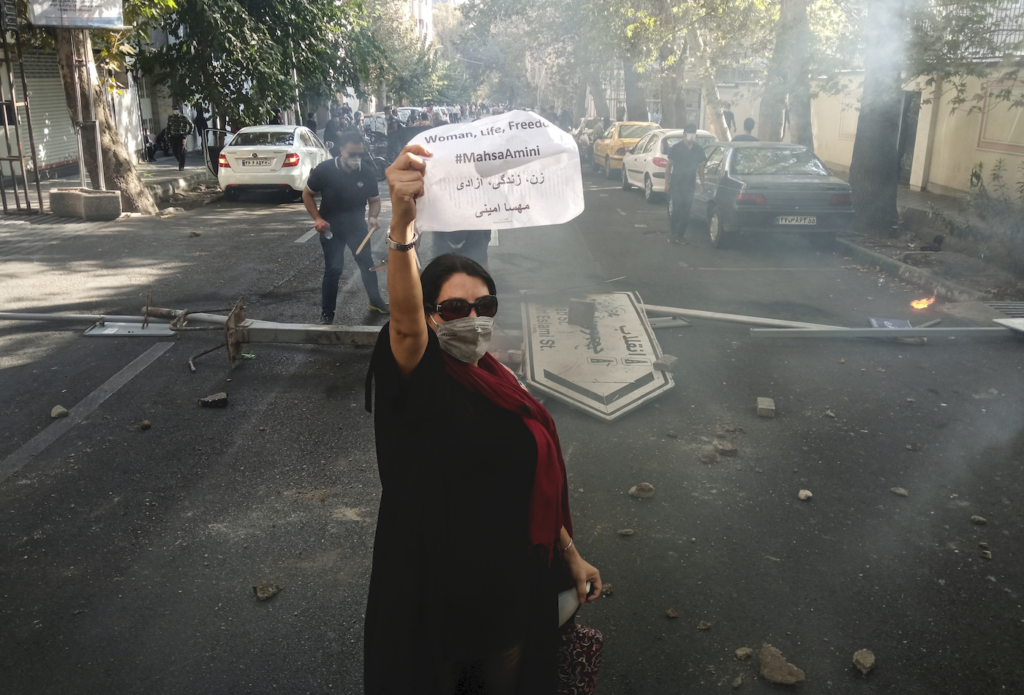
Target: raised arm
point(408, 326)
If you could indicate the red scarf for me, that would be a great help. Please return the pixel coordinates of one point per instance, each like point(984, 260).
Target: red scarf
point(549, 499)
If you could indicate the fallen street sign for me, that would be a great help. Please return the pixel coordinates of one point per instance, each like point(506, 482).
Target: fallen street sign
point(606, 370)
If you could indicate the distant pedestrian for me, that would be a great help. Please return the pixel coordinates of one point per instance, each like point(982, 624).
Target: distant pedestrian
point(179, 128)
point(311, 121)
point(201, 125)
point(471, 243)
point(345, 188)
point(686, 163)
point(150, 145)
point(730, 120)
point(332, 135)
point(620, 113)
point(748, 132)
point(276, 118)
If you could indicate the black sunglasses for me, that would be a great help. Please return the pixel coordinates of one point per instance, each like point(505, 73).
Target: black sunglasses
point(451, 309)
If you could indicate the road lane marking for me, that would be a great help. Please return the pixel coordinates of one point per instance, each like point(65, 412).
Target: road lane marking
point(13, 463)
point(306, 237)
point(621, 211)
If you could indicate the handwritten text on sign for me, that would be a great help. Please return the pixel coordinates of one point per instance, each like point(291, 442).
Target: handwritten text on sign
point(512, 170)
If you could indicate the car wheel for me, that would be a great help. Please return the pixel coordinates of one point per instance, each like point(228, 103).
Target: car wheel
point(626, 185)
point(608, 168)
point(231, 196)
point(716, 230)
point(649, 194)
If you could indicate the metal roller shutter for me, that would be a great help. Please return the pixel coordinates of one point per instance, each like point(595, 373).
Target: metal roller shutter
point(51, 125)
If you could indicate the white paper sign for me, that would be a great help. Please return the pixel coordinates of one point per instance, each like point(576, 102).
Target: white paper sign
point(511, 170)
point(75, 13)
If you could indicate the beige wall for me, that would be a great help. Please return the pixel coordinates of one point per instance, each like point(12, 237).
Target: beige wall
point(948, 144)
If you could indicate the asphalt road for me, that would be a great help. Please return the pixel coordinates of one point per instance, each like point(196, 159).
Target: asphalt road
point(128, 557)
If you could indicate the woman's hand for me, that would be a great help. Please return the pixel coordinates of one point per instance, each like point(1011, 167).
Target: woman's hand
point(582, 572)
point(405, 182)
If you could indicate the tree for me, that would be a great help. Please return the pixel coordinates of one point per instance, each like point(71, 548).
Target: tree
point(240, 56)
point(119, 171)
point(788, 79)
point(874, 168)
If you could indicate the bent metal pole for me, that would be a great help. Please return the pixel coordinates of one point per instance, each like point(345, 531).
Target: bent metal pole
point(653, 310)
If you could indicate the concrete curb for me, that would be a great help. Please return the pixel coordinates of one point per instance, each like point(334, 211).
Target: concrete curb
point(163, 190)
point(942, 287)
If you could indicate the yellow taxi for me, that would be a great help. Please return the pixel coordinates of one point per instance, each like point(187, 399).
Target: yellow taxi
point(610, 149)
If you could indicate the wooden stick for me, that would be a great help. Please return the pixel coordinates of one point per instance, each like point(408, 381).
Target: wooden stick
point(364, 241)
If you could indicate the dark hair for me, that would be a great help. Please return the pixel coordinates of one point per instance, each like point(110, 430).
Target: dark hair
point(443, 267)
point(748, 124)
point(689, 128)
point(349, 137)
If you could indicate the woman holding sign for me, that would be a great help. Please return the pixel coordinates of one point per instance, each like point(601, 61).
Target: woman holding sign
point(474, 535)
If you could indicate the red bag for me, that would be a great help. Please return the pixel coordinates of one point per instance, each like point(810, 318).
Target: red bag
point(579, 660)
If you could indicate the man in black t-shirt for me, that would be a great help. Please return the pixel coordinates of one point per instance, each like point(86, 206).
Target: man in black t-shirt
point(345, 187)
point(748, 134)
point(686, 163)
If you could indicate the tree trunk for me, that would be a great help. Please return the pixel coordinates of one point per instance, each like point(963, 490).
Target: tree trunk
point(673, 105)
point(874, 168)
point(118, 169)
point(580, 105)
point(798, 73)
point(636, 101)
point(709, 88)
point(597, 94)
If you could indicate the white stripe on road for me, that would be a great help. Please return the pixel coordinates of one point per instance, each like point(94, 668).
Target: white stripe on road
point(306, 237)
point(13, 463)
point(621, 211)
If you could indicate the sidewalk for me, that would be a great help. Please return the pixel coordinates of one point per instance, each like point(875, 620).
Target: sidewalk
point(162, 178)
point(914, 206)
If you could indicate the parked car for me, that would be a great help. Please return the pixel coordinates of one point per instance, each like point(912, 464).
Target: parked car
point(270, 158)
point(407, 112)
point(645, 163)
point(609, 151)
point(761, 187)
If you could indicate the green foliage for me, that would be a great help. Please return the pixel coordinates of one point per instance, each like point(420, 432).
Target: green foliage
point(992, 215)
point(239, 55)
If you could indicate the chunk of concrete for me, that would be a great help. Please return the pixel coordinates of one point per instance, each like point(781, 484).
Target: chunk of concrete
point(666, 363)
point(776, 669)
point(642, 490)
point(85, 203)
point(59, 411)
point(864, 660)
point(765, 407)
point(217, 400)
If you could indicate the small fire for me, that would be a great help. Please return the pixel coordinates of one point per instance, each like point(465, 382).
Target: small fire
point(923, 303)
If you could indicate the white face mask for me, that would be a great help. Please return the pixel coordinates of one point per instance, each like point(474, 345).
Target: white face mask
point(690, 137)
point(465, 339)
point(353, 163)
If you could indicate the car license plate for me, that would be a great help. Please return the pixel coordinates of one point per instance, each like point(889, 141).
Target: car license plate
point(795, 219)
point(256, 162)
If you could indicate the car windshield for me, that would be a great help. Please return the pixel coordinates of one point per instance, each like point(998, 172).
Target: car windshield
point(265, 138)
point(776, 160)
point(635, 131)
point(702, 140)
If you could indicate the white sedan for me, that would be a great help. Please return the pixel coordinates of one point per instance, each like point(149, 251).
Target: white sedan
point(645, 163)
point(270, 158)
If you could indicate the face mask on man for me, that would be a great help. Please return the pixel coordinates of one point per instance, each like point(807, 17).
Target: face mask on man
point(353, 163)
point(690, 137)
point(466, 339)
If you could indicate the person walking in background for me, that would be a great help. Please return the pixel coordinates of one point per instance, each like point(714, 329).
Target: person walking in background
point(179, 128)
point(345, 188)
point(276, 118)
point(332, 134)
point(748, 132)
point(311, 121)
point(147, 140)
point(471, 243)
point(730, 120)
point(201, 125)
point(686, 163)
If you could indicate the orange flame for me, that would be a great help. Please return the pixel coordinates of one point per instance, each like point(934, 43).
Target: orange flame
point(922, 303)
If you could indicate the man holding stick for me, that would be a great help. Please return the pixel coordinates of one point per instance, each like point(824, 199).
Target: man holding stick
point(345, 187)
